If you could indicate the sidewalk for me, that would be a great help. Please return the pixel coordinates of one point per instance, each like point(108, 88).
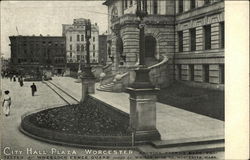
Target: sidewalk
point(14, 140)
point(172, 122)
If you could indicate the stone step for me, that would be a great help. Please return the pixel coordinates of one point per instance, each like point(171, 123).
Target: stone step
point(108, 85)
point(147, 150)
point(189, 141)
point(104, 90)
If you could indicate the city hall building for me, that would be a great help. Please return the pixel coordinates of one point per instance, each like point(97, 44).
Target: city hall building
point(35, 53)
point(190, 33)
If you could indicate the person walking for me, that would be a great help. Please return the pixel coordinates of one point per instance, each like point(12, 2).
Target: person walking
point(33, 89)
point(6, 103)
point(21, 81)
point(14, 78)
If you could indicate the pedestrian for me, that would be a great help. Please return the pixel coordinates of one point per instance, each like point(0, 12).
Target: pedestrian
point(33, 89)
point(14, 78)
point(6, 103)
point(21, 81)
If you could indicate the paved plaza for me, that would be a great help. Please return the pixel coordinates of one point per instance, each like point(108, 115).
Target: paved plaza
point(13, 140)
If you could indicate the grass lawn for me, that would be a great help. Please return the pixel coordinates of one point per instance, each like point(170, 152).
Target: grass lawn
point(198, 100)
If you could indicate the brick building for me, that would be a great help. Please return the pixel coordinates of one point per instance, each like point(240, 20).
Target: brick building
point(38, 52)
point(190, 33)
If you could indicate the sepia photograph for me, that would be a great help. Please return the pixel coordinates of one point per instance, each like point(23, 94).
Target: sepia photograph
point(113, 79)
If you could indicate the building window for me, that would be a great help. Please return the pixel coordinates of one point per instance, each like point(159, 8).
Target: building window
point(131, 2)
point(206, 2)
point(70, 47)
point(93, 39)
point(180, 6)
point(78, 47)
point(78, 38)
point(125, 4)
point(206, 73)
point(180, 41)
point(93, 47)
point(192, 4)
point(70, 38)
point(82, 37)
point(82, 47)
point(207, 37)
point(222, 73)
point(222, 35)
point(155, 6)
point(191, 72)
point(78, 57)
point(70, 54)
point(93, 54)
point(192, 33)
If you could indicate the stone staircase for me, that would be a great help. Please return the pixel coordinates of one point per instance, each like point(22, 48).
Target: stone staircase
point(106, 87)
point(118, 82)
point(198, 145)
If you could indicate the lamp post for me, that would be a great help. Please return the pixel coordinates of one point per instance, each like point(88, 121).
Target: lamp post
point(143, 94)
point(88, 79)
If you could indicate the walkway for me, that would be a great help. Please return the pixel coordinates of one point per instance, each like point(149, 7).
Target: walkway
point(172, 122)
point(14, 140)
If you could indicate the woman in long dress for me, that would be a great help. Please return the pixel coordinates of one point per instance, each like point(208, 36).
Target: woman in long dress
point(6, 103)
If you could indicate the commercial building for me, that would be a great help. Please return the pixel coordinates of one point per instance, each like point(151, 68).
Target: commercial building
point(76, 42)
point(190, 33)
point(35, 53)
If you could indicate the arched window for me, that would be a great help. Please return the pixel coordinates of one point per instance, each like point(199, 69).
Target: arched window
point(150, 46)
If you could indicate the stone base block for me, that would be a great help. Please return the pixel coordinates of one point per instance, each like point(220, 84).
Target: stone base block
point(147, 136)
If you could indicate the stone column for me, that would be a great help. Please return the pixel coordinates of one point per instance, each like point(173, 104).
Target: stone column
point(88, 82)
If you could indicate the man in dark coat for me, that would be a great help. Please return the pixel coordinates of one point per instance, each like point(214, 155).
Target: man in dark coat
point(33, 89)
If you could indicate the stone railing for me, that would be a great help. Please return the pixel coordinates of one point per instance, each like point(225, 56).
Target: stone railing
point(158, 73)
point(126, 76)
point(107, 68)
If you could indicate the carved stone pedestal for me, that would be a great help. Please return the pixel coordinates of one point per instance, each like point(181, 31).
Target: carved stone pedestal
point(143, 108)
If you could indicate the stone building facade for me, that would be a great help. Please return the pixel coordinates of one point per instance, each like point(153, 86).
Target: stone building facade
point(199, 54)
point(189, 32)
point(38, 52)
point(76, 42)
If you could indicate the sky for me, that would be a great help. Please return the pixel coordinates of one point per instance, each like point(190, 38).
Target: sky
point(46, 17)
